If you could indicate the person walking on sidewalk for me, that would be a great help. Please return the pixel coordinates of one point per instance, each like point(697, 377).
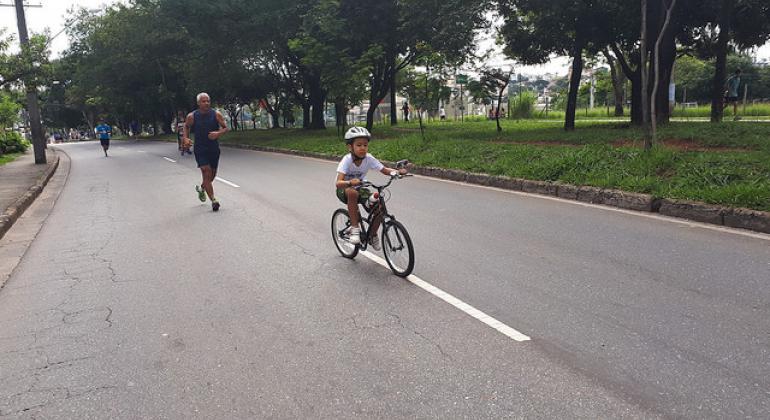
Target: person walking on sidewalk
point(104, 132)
point(731, 93)
point(207, 125)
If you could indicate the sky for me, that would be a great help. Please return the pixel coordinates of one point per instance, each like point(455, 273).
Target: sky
point(53, 12)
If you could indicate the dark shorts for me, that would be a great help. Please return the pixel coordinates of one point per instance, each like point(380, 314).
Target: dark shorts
point(207, 157)
point(105, 142)
point(731, 99)
point(363, 195)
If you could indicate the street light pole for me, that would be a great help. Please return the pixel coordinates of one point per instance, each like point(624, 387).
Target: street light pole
point(38, 142)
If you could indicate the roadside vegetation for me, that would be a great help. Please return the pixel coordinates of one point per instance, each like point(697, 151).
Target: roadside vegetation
point(726, 164)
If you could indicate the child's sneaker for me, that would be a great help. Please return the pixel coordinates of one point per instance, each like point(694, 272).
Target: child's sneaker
point(355, 235)
point(374, 242)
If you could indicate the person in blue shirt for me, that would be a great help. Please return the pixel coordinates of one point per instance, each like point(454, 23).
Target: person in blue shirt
point(208, 125)
point(731, 92)
point(104, 131)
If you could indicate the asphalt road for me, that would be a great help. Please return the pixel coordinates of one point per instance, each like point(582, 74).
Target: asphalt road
point(137, 301)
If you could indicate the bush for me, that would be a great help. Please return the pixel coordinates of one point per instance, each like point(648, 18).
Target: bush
point(523, 106)
point(13, 142)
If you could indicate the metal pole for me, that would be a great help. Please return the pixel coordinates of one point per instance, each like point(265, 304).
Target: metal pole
point(38, 142)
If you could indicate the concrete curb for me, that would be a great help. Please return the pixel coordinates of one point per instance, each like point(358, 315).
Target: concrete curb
point(755, 220)
point(17, 208)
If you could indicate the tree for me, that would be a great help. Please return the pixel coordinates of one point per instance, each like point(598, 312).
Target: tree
point(500, 79)
point(390, 35)
point(744, 22)
point(534, 30)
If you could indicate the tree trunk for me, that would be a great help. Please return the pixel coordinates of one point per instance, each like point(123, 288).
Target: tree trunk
point(645, 77)
point(306, 115)
point(340, 113)
point(275, 117)
point(720, 71)
point(393, 108)
point(665, 63)
point(657, 80)
point(618, 83)
point(574, 85)
point(499, 100)
point(317, 100)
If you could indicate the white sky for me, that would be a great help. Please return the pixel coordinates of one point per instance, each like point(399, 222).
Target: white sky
point(52, 16)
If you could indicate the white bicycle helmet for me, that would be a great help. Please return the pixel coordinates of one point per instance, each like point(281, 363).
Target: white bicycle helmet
point(356, 132)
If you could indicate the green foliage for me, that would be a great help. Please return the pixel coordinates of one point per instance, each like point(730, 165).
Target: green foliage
point(523, 105)
point(12, 142)
point(9, 111)
point(732, 166)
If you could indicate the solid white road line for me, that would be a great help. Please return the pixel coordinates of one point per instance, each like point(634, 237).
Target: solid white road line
point(662, 218)
point(169, 159)
point(227, 182)
point(457, 303)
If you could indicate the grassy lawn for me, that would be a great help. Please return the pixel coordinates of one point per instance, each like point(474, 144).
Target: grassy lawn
point(727, 164)
point(8, 158)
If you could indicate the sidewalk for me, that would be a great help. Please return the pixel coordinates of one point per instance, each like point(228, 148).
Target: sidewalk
point(21, 181)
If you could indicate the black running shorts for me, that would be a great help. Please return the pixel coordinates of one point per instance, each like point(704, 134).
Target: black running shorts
point(207, 157)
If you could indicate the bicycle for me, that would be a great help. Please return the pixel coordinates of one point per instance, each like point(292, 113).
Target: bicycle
point(396, 243)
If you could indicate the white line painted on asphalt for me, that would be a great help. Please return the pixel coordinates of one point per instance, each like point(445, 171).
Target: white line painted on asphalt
point(457, 303)
point(227, 182)
point(141, 151)
point(755, 235)
point(169, 159)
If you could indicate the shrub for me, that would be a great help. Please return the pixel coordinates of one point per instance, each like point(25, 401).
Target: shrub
point(13, 142)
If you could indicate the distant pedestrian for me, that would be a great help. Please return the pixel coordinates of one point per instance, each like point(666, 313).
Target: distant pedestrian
point(104, 131)
point(731, 92)
point(179, 126)
point(207, 125)
point(135, 128)
point(405, 109)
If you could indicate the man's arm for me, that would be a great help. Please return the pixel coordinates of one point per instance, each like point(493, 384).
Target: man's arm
point(188, 122)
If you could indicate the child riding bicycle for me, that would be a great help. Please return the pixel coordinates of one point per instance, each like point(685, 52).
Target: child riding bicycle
point(351, 172)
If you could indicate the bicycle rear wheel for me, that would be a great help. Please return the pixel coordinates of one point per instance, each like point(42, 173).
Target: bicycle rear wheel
point(398, 249)
point(340, 225)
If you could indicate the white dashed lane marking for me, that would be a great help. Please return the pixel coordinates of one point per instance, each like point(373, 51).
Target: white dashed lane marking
point(227, 182)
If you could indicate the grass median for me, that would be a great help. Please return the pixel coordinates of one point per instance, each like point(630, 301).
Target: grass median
point(726, 164)
point(10, 157)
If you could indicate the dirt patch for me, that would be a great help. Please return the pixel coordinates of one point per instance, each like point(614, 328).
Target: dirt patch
point(539, 143)
point(685, 145)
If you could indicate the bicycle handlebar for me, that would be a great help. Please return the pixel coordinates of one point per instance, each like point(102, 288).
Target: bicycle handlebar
point(393, 176)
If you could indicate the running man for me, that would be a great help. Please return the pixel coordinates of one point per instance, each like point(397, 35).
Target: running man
point(104, 131)
point(207, 125)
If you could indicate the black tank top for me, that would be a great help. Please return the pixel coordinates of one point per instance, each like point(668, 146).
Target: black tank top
point(203, 124)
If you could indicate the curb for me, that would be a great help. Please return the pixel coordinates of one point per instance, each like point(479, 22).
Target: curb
point(755, 220)
point(16, 209)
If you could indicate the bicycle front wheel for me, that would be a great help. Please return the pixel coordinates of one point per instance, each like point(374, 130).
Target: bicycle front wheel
point(398, 249)
point(340, 234)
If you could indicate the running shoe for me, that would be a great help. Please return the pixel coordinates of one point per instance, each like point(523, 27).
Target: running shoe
point(201, 193)
point(215, 205)
point(355, 235)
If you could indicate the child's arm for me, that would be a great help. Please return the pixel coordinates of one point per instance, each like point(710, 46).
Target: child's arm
point(341, 183)
point(387, 171)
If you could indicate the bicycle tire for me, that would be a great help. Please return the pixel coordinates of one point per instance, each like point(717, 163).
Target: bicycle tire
point(341, 221)
point(395, 239)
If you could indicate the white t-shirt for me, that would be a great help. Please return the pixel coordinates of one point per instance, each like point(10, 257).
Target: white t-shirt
point(351, 171)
